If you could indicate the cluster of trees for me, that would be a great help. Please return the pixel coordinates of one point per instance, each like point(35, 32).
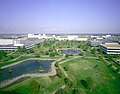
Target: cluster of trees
point(87, 83)
point(49, 47)
point(83, 46)
point(68, 82)
point(3, 56)
point(22, 49)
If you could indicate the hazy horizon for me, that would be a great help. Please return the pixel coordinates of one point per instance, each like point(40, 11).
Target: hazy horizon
point(60, 16)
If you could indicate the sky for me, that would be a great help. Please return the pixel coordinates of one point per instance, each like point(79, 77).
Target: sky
point(59, 16)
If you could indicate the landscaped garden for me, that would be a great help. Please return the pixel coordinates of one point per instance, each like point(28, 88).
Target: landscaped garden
point(83, 73)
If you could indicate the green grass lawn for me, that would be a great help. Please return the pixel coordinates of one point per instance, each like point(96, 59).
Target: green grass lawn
point(47, 85)
point(105, 81)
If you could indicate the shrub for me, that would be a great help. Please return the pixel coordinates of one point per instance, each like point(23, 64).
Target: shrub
point(56, 64)
point(59, 74)
point(46, 53)
point(66, 68)
point(67, 55)
point(78, 46)
point(76, 91)
point(90, 82)
point(31, 51)
point(84, 83)
point(52, 54)
point(95, 66)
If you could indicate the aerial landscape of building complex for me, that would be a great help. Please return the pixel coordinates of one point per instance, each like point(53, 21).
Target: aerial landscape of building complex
point(59, 47)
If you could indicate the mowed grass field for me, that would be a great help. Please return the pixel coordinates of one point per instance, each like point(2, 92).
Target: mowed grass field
point(47, 85)
point(105, 81)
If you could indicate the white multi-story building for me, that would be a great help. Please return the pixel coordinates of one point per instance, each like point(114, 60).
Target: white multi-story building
point(72, 37)
point(38, 36)
point(6, 41)
point(111, 48)
point(81, 39)
point(9, 44)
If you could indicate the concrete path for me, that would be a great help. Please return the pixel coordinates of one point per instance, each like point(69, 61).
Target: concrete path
point(51, 73)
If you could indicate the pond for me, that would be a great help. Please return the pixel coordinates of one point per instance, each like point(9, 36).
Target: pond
point(69, 51)
point(25, 67)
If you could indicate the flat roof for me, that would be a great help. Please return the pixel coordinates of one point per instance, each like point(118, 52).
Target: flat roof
point(111, 45)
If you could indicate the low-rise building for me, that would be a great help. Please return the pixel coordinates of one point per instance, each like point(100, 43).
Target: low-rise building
point(94, 43)
point(8, 48)
point(6, 41)
point(110, 48)
point(13, 46)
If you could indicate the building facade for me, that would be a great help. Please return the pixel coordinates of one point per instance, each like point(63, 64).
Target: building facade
point(94, 43)
point(110, 48)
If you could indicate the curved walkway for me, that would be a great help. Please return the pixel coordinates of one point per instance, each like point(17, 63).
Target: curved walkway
point(64, 72)
point(51, 73)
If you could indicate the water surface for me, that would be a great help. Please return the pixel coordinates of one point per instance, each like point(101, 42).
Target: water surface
point(29, 66)
point(69, 51)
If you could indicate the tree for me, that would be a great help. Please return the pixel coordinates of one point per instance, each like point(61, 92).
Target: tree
point(56, 64)
point(67, 55)
point(76, 91)
point(90, 83)
point(41, 69)
point(3, 54)
point(52, 54)
point(21, 49)
point(31, 51)
point(10, 70)
point(35, 87)
point(81, 53)
point(68, 82)
point(66, 68)
point(84, 83)
point(46, 53)
point(78, 46)
point(59, 74)
point(60, 91)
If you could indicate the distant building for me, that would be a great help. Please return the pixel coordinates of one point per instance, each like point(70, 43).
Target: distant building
point(100, 38)
point(72, 37)
point(106, 36)
point(38, 36)
point(34, 36)
point(111, 48)
point(94, 43)
point(81, 39)
point(6, 41)
point(8, 48)
point(13, 44)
